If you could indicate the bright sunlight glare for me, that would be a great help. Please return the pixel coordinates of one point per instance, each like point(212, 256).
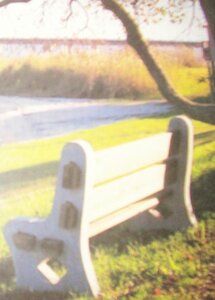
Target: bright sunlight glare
point(34, 20)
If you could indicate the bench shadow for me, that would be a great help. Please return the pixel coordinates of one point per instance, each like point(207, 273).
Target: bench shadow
point(24, 295)
point(204, 137)
point(169, 114)
point(6, 270)
point(202, 193)
point(29, 174)
point(120, 237)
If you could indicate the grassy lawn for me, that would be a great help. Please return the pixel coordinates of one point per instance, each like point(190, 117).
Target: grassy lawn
point(145, 265)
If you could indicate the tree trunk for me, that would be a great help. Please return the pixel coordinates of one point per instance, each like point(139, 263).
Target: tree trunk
point(7, 2)
point(202, 112)
point(208, 7)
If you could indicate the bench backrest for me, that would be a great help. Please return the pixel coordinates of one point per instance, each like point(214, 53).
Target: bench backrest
point(109, 186)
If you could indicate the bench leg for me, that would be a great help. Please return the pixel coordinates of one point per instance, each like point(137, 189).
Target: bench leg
point(175, 210)
point(22, 237)
point(35, 248)
point(62, 238)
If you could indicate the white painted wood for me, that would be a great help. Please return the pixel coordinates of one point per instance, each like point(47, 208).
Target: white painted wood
point(116, 217)
point(31, 271)
point(183, 214)
point(44, 268)
point(126, 158)
point(121, 192)
point(179, 204)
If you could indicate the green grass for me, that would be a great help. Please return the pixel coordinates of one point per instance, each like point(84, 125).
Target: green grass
point(145, 265)
point(187, 81)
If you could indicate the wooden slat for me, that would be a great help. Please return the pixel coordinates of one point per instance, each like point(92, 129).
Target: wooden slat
point(119, 193)
point(116, 161)
point(121, 215)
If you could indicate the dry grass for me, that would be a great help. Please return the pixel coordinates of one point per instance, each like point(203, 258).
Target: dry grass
point(92, 74)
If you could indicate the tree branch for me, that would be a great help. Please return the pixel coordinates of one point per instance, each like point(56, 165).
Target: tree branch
point(7, 2)
point(202, 112)
point(208, 8)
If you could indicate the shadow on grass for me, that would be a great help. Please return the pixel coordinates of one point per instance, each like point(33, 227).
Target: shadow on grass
point(6, 271)
point(120, 237)
point(202, 193)
point(204, 99)
point(169, 114)
point(24, 295)
point(29, 174)
point(204, 137)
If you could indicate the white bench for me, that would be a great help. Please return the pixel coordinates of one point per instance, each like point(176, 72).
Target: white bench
point(96, 191)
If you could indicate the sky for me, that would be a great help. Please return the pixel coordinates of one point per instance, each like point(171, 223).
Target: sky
point(34, 21)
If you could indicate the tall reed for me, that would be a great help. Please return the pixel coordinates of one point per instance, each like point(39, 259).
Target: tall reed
point(95, 74)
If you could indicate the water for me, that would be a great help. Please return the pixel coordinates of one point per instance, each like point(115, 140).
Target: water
point(23, 119)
